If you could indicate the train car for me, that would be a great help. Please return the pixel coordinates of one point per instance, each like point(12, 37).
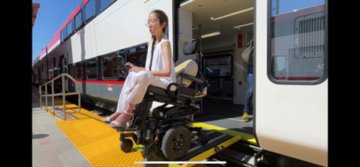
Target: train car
point(290, 62)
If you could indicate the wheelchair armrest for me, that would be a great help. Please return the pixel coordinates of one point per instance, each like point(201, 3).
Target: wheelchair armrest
point(184, 75)
point(201, 84)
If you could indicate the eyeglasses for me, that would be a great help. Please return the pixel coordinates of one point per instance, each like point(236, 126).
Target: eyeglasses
point(151, 22)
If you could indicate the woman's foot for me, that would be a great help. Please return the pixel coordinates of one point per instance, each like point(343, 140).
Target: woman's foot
point(108, 119)
point(124, 120)
point(116, 124)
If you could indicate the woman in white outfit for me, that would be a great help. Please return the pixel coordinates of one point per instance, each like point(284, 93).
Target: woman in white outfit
point(159, 71)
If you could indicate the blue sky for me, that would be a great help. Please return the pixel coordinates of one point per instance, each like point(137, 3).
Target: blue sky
point(51, 15)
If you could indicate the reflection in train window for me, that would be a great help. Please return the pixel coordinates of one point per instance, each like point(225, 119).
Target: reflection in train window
point(90, 10)
point(104, 4)
point(71, 70)
point(91, 69)
point(78, 20)
point(297, 40)
point(79, 71)
point(137, 55)
point(113, 67)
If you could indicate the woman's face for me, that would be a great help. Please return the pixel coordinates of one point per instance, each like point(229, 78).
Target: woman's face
point(154, 25)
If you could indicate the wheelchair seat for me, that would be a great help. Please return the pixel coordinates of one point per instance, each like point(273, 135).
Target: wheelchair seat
point(185, 74)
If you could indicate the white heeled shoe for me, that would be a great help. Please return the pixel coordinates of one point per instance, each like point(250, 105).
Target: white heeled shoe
point(127, 124)
point(107, 120)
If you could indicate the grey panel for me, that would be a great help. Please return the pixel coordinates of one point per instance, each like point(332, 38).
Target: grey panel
point(110, 91)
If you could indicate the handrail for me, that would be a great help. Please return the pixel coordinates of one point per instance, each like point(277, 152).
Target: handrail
point(63, 93)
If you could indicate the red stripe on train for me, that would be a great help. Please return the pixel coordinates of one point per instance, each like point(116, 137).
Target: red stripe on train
point(101, 82)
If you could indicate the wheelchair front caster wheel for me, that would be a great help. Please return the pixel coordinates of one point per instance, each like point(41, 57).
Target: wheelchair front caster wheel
point(126, 145)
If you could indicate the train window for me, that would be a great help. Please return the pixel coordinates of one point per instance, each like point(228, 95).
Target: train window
point(78, 20)
point(63, 34)
point(79, 71)
point(137, 55)
point(91, 69)
point(104, 4)
point(113, 67)
point(70, 28)
point(90, 10)
point(297, 48)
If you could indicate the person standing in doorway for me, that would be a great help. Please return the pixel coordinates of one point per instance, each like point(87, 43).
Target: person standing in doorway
point(247, 114)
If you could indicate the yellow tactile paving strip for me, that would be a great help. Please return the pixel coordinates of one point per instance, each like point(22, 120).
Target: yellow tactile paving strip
point(96, 141)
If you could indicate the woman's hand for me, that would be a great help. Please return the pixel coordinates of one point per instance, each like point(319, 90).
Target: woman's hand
point(133, 67)
point(130, 65)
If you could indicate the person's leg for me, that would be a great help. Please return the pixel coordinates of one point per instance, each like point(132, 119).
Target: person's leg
point(128, 85)
point(248, 94)
point(251, 91)
point(135, 96)
point(114, 115)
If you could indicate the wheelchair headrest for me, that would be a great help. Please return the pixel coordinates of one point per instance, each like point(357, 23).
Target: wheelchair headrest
point(189, 52)
point(189, 67)
point(189, 48)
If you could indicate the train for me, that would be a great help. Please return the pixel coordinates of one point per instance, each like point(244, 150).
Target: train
point(290, 61)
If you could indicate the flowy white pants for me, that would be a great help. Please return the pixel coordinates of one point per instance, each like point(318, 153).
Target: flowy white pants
point(135, 86)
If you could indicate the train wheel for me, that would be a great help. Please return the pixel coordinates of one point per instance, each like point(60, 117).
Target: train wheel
point(176, 142)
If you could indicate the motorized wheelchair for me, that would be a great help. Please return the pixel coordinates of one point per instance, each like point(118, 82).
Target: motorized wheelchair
point(166, 132)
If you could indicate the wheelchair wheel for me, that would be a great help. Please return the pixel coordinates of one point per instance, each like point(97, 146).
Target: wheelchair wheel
point(126, 145)
point(176, 142)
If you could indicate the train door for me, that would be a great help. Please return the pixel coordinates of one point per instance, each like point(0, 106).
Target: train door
point(222, 30)
point(291, 78)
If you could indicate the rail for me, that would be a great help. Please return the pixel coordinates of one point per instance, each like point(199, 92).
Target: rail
point(63, 93)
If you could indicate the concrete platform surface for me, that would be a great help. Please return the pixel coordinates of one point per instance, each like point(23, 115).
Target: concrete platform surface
point(50, 147)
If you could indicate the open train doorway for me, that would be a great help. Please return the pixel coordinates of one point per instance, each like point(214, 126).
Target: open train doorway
point(222, 31)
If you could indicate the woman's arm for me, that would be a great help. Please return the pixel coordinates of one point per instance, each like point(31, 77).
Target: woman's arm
point(165, 47)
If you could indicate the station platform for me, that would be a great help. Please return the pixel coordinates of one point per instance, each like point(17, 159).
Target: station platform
point(84, 140)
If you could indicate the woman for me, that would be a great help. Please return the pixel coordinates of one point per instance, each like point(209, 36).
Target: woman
point(159, 71)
